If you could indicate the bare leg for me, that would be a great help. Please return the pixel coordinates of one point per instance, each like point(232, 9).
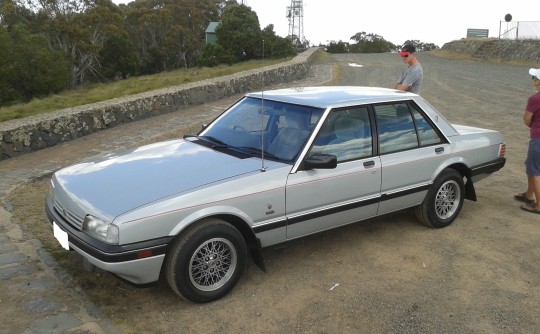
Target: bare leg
point(535, 180)
point(531, 194)
point(533, 189)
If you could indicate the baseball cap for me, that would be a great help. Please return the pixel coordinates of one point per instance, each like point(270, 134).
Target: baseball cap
point(407, 49)
point(535, 72)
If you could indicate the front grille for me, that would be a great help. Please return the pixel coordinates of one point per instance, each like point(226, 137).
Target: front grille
point(70, 217)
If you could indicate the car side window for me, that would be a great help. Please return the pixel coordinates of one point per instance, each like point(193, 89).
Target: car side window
point(395, 127)
point(346, 134)
point(426, 134)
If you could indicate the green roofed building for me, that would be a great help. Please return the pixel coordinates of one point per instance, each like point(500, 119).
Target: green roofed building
point(211, 33)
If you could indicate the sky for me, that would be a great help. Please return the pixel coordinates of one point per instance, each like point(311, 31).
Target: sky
point(429, 21)
point(396, 21)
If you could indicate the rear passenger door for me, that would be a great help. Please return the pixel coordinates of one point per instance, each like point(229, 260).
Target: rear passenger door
point(411, 150)
point(320, 199)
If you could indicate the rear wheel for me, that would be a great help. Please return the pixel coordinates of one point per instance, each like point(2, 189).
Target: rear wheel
point(206, 262)
point(443, 201)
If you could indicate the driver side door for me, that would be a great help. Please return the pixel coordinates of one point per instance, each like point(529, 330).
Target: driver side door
point(321, 199)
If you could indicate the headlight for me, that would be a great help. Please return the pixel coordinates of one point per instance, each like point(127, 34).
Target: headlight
point(101, 230)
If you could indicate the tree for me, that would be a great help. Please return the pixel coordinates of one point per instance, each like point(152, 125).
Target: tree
point(239, 33)
point(28, 68)
point(421, 46)
point(8, 93)
point(80, 28)
point(118, 56)
point(98, 40)
point(214, 55)
point(168, 34)
point(337, 47)
point(276, 46)
point(370, 43)
point(13, 13)
point(99, 24)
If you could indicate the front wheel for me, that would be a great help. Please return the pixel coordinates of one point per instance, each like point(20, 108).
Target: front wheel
point(207, 262)
point(443, 200)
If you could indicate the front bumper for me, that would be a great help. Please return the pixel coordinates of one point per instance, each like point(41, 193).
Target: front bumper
point(139, 263)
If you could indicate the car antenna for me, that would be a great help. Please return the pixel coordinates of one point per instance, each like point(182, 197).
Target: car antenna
point(263, 168)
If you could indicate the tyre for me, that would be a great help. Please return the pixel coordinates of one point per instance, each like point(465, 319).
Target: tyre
point(443, 200)
point(205, 263)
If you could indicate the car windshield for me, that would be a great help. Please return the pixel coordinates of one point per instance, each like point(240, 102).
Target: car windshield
point(252, 125)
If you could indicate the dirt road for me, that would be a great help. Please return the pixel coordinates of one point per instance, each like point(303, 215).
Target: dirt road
point(479, 275)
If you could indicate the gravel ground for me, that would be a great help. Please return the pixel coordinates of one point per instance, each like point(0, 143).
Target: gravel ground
point(390, 275)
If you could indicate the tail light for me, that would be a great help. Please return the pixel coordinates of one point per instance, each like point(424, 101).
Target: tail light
point(502, 150)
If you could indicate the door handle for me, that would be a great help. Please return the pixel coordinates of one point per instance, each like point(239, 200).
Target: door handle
point(369, 164)
point(439, 150)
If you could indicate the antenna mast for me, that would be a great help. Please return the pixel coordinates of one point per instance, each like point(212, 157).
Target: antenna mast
point(263, 168)
point(295, 14)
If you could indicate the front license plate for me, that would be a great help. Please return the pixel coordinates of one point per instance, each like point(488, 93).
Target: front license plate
point(61, 236)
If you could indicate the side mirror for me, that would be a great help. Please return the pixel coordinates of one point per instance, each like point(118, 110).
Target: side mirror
point(321, 161)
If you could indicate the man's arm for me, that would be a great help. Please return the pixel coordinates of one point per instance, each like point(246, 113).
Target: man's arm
point(410, 76)
point(527, 118)
point(401, 86)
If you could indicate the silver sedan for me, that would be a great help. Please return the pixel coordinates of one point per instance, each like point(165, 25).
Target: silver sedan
point(276, 166)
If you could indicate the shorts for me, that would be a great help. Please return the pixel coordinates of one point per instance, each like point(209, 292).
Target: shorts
point(532, 163)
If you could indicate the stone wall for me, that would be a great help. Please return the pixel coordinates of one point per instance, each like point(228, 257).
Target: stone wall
point(502, 50)
point(37, 132)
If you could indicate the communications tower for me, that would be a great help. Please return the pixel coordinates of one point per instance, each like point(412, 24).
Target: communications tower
point(295, 14)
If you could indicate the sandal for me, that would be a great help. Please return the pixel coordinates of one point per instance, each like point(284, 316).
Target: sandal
point(523, 198)
point(530, 209)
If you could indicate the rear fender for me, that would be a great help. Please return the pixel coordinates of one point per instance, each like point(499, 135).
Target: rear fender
point(470, 192)
point(459, 165)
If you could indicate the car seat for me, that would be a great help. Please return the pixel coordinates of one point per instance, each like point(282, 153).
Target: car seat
point(290, 138)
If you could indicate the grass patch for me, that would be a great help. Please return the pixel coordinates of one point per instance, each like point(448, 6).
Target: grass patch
point(450, 54)
point(464, 56)
point(101, 92)
point(27, 203)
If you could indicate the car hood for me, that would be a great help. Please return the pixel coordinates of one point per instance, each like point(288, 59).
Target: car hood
point(116, 184)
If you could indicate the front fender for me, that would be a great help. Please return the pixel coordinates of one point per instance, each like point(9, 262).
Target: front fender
point(210, 212)
point(237, 218)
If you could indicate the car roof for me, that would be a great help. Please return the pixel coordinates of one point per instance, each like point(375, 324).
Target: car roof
point(333, 96)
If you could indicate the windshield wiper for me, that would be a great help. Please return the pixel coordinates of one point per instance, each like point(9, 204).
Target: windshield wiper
point(216, 142)
point(219, 145)
point(259, 151)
